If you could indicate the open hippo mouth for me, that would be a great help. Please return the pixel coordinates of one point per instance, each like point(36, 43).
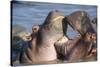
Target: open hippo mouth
point(80, 22)
point(41, 48)
point(79, 47)
point(54, 24)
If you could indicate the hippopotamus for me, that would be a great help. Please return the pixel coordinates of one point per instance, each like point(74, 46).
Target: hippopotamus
point(40, 48)
point(81, 46)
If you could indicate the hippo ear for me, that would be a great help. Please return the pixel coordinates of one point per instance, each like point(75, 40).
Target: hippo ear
point(28, 38)
point(35, 28)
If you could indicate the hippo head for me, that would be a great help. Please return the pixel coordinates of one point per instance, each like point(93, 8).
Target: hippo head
point(80, 21)
point(54, 24)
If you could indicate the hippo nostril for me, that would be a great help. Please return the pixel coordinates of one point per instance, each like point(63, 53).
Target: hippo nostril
point(35, 28)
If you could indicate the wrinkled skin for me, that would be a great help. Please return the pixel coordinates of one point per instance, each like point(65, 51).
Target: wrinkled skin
point(41, 46)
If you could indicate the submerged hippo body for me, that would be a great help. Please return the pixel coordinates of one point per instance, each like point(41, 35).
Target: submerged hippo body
point(41, 47)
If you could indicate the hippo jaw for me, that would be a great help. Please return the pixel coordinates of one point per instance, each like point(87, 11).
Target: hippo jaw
point(53, 26)
point(75, 19)
point(80, 22)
